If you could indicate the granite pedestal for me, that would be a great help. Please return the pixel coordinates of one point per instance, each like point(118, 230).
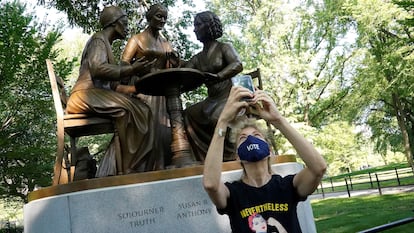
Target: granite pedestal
point(172, 205)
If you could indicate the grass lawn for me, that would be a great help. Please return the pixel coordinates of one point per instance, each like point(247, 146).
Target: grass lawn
point(346, 215)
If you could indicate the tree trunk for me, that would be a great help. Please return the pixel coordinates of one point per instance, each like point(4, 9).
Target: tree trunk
point(401, 118)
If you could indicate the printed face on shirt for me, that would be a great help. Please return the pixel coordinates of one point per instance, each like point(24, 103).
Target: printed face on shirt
point(258, 224)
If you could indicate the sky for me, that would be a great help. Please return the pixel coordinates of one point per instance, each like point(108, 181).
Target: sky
point(52, 16)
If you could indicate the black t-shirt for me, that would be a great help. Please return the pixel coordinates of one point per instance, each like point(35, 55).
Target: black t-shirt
point(277, 200)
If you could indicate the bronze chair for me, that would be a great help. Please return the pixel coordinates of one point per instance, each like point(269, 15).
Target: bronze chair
point(75, 126)
point(256, 76)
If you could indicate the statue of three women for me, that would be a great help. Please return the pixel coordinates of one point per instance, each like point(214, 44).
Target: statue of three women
point(142, 120)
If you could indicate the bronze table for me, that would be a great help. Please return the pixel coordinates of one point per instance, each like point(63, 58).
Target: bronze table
point(171, 83)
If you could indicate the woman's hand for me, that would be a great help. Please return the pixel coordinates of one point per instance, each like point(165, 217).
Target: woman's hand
point(173, 58)
point(235, 103)
point(142, 66)
point(265, 106)
point(125, 89)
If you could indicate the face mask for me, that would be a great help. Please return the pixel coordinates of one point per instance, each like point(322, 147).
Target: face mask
point(253, 149)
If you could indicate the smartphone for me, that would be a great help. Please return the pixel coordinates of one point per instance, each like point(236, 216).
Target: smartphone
point(244, 81)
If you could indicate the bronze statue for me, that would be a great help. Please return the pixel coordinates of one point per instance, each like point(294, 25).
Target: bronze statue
point(151, 44)
point(98, 91)
point(220, 62)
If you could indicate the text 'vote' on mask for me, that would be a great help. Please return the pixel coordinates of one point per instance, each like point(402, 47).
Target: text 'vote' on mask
point(253, 149)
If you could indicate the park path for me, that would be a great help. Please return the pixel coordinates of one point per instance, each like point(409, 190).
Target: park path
point(356, 193)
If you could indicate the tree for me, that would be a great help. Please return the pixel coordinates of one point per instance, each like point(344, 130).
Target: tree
point(26, 113)
point(303, 50)
point(300, 48)
point(343, 152)
point(329, 61)
point(384, 83)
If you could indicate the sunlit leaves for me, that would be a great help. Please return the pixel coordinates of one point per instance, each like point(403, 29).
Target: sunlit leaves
point(328, 61)
point(385, 79)
point(27, 133)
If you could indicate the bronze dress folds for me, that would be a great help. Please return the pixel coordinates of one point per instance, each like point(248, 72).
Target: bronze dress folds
point(93, 93)
point(140, 45)
point(201, 118)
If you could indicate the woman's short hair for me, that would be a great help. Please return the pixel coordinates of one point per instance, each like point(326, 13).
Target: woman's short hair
point(214, 24)
point(153, 10)
point(237, 126)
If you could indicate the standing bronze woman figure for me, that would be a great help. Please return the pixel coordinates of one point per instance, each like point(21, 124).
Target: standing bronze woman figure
point(151, 44)
point(221, 62)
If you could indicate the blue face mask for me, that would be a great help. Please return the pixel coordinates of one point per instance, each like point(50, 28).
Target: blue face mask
point(253, 149)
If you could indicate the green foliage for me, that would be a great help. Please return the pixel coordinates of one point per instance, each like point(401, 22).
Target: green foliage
point(296, 47)
point(12, 211)
point(26, 113)
point(327, 61)
point(384, 83)
point(307, 61)
point(342, 152)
